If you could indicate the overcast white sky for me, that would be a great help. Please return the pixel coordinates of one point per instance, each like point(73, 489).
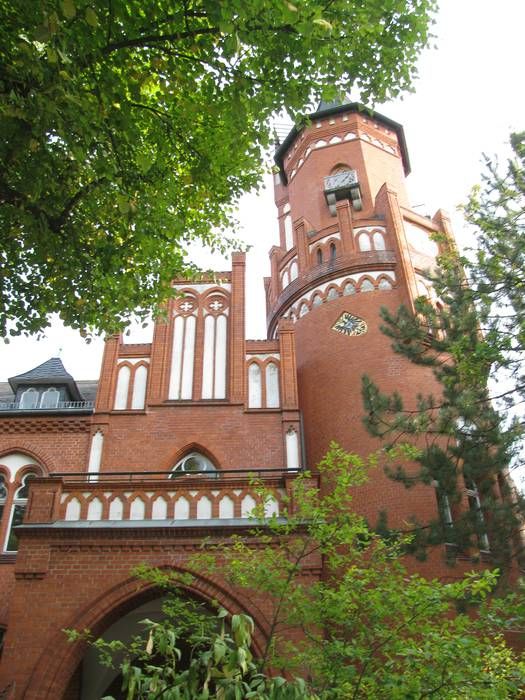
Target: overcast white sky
point(469, 97)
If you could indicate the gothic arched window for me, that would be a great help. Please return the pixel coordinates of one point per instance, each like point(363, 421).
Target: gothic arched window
point(254, 386)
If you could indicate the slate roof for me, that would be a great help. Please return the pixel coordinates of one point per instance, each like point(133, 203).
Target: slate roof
point(50, 370)
point(88, 389)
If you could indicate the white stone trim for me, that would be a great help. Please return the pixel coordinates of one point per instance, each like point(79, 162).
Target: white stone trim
point(95, 452)
point(199, 288)
point(132, 360)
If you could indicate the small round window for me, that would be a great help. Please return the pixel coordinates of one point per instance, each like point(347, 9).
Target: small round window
point(193, 463)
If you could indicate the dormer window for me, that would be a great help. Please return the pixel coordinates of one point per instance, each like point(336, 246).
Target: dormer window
point(47, 387)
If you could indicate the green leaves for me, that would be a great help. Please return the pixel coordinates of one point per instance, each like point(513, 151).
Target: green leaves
point(366, 629)
point(68, 8)
point(173, 108)
point(472, 339)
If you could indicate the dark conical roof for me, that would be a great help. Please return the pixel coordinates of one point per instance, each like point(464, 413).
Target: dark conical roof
point(337, 102)
point(51, 371)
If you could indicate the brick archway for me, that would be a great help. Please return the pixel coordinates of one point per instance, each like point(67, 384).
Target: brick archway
point(59, 661)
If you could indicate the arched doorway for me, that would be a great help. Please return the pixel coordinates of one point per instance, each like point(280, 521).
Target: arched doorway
point(59, 673)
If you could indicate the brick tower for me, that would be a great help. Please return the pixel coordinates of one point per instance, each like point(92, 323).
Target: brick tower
point(349, 245)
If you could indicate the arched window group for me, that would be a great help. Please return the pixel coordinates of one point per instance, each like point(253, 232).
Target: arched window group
point(325, 252)
point(289, 274)
point(196, 314)
point(345, 287)
point(132, 380)
point(263, 385)
point(32, 398)
point(370, 240)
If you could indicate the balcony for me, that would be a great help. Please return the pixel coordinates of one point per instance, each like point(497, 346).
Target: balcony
point(60, 407)
point(155, 499)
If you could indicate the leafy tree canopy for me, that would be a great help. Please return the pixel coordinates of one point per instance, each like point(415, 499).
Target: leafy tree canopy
point(365, 629)
point(131, 128)
point(472, 334)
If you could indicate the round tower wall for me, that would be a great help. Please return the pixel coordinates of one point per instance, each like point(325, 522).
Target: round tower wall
point(330, 366)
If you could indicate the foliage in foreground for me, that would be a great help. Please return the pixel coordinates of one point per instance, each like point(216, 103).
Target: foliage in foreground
point(131, 128)
point(471, 333)
point(368, 629)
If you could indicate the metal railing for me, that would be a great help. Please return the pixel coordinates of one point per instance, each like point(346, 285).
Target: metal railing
point(147, 475)
point(60, 406)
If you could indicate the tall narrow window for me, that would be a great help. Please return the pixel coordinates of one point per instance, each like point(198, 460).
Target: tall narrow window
point(95, 454)
point(445, 512)
point(214, 357)
point(293, 271)
point(221, 330)
point(333, 252)
point(319, 256)
point(139, 387)
point(17, 512)
point(288, 229)
point(182, 358)
point(121, 394)
point(474, 502)
point(272, 385)
point(254, 386)
point(292, 449)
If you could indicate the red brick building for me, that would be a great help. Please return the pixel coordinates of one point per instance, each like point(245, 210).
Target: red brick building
point(205, 405)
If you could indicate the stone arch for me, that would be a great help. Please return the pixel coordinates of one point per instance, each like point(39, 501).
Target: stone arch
point(385, 279)
point(24, 471)
point(60, 659)
point(216, 291)
point(366, 278)
point(340, 168)
point(44, 462)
